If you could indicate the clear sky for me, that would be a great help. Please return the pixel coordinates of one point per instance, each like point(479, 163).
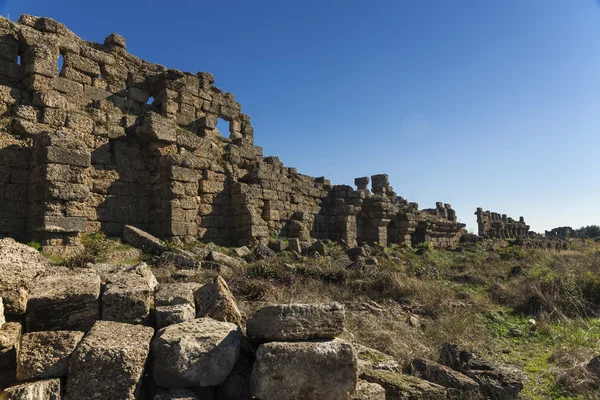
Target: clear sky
point(473, 103)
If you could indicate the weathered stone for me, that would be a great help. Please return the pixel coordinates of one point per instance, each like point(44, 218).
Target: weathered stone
point(175, 394)
point(200, 352)
point(320, 370)
point(237, 384)
point(45, 355)
point(242, 251)
point(142, 240)
point(226, 260)
point(10, 336)
point(155, 128)
point(19, 265)
point(40, 390)
point(215, 300)
point(64, 300)
point(179, 259)
point(368, 391)
point(174, 303)
point(109, 362)
point(401, 387)
point(2, 318)
point(296, 322)
point(127, 298)
point(458, 385)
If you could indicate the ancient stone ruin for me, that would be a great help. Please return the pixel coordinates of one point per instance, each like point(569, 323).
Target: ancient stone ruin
point(498, 226)
point(111, 140)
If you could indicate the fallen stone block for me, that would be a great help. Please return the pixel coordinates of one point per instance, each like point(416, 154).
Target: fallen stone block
point(179, 259)
point(320, 370)
point(65, 300)
point(368, 391)
point(242, 251)
point(141, 269)
point(458, 385)
point(216, 301)
point(19, 265)
point(226, 260)
point(262, 252)
point(142, 240)
point(200, 352)
point(369, 358)
point(45, 355)
point(127, 298)
point(296, 322)
point(40, 390)
point(398, 386)
point(10, 336)
point(109, 362)
point(174, 303)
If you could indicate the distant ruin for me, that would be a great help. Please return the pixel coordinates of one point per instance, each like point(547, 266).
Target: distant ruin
point(111, 140)
point(499, 226)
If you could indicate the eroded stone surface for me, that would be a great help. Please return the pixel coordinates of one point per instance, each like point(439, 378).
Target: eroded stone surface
point(109, 362)
point(296, 322)
point(10, 335)
point(174, 303)
point(318, 370)
point(40, 390)
point(368, 391)
point(127, 298)
point(399, 387)
point(200, 352)
point(142, 240)
point(44, 355)
point(215, 300)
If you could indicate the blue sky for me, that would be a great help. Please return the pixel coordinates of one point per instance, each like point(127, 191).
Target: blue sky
point(474, 103)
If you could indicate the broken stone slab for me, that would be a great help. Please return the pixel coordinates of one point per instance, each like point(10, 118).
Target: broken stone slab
point(226, 260)
point(262, 252)
point(142, 240)
point(142, 269)
point(243, 251)
point(200, 352)
point(127, 298)
point(39, 390)
point(10, 336)
point(19, 265)
point(368, 391)
point(175, 394)
point(458, 385)
point(369, 358)
point(398, 386)
point(288, 322)
point(45, 355)
point(318, 370)
point(174, 303)
point(64, 300)
point(216, 301)
point(179, 259)
point(109, 362)
point(155, 128)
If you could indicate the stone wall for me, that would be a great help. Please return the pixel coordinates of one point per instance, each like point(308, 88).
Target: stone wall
point(498, 226)
point(112, 140)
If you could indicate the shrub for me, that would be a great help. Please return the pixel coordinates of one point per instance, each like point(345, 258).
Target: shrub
point(95, 250)
point(35, 245)
point(511, 253)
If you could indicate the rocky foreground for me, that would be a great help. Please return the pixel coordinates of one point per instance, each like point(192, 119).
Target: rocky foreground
point(109, 331)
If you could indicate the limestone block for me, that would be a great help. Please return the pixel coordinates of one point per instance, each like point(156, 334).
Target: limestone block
point(109, 362)
point(226, 260)
point(139, 95)
point(324, 370)
point(368, 391)
point(51, 99)
point(45, 355)
point(142, 240)
point(60, 224)
point(127, 298)
point(296, 322)
point(155, 128)
point(40, 390)
point(19, 265)
point(200, 352)
point(179, 259)
point(10, 336)
point(399, 386)
point(94, 93)
point(82, 64)
point(66, 86)
point(174, 303)
point(59, 155)
point(183, 174)
point(116, 40)
point(63, 300)
point(456, 383)
point(216, 301)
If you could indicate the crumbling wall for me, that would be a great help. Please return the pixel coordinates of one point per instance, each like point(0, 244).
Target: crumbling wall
point(111, 140)
point(499, 226)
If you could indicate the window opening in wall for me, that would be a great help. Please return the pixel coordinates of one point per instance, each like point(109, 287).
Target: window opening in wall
point(61, 63)
point(150, 100)
point(19, 60)
point(223, 127)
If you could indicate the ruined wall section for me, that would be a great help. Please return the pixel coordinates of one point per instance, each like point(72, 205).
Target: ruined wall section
point(499, 226)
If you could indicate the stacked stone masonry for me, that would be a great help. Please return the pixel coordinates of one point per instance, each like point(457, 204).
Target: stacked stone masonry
point(498, 226)
point(112, 140)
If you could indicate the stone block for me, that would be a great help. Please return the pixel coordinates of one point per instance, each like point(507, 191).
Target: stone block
point(10, 336)
point(458, 385)
point(109, 362)
point(59, 224)
point(142, 240)
point(174, 303)
point(54, 117)
point(325, 370)
point(127, 299)
point(138, 95)
point(94, 93)
point(50, 99)
point(399, 386)
point(224, 259)
point(179, 259)
point(82, 64)
point(296, 322)
point(40, 390)
point(115, 40)
point(66, 86)
point(183, 174)
point(45, 355)
point(200, 352)
point(63, 300)
point(59, 155)
point(368, 391)
point(216, 301)
point(155, 128)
